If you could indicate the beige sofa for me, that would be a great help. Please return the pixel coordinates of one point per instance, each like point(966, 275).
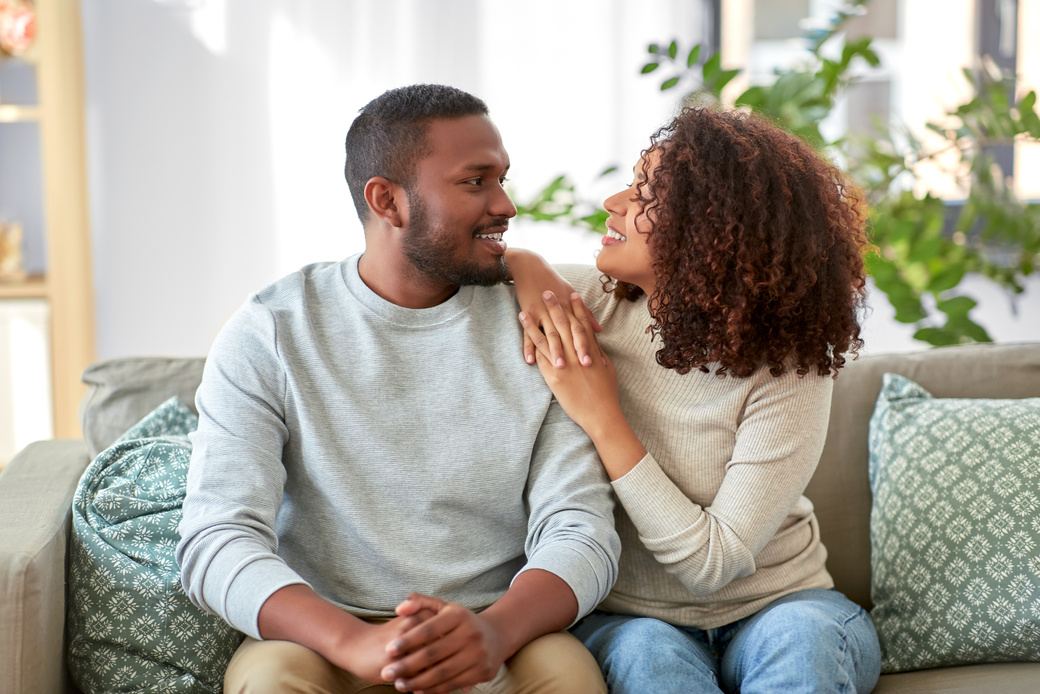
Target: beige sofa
point(36, 492)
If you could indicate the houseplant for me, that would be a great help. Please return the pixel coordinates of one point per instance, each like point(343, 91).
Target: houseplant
point(925, 247)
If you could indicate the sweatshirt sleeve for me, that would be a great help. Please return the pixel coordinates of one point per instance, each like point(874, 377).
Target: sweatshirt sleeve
point(571, 522)
point(227, 553)
point(779, 439)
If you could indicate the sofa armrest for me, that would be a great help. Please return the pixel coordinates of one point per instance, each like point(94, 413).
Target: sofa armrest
point(36, 490)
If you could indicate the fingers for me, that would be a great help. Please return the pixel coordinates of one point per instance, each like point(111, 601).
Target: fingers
point(546, 328)
point(556, 326)
point(453, 654)
point(416, 602)
point(449, 675)
point(561, 325)
point(581, 329)
point(422, 634)
point(541, 333)
point(529, 349)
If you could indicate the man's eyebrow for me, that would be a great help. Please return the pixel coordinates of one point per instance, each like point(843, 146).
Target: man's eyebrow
point(482, 167)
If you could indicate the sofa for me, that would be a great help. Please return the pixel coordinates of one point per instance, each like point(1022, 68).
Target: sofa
point(36, 491)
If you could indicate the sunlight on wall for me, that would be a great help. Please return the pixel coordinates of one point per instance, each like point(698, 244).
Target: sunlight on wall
point(1027, 156)
point(306, 109)
point(209, 25)
point(926, 94)
point(25, 377)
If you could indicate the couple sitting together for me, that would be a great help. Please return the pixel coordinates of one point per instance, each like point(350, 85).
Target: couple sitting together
point(396, 485)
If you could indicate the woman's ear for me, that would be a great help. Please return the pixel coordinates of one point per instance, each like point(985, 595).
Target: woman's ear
point(386, 199)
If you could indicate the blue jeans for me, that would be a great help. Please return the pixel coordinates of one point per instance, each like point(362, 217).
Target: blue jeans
point(809, 641)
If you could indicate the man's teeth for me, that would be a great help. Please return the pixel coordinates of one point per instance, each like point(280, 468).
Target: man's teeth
point(493, 237)
point(615, 235)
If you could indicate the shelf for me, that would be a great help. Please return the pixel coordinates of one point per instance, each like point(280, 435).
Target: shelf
point(32, 287)
point(11, 113)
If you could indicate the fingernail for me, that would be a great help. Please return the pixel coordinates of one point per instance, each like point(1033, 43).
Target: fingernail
point(400, 686)
point(530, 359)
point(547, 295)
point(523, 316)
point(586, 360)
point(560, 362)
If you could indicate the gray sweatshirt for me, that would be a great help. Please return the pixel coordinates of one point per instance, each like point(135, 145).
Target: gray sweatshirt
point(371, 450)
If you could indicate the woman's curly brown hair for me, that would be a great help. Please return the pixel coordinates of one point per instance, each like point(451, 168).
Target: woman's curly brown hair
point(757, 246)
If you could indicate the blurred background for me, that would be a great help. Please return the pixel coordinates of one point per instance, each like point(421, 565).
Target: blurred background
point(213, 139)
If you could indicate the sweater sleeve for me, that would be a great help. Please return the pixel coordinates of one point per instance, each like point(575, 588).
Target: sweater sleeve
point(228, 546)
point(779, 438)
point(571, 523)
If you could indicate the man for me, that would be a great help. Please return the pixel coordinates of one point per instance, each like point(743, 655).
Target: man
point(381, 490)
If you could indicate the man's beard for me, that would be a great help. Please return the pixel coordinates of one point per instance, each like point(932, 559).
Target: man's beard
point(435, 257)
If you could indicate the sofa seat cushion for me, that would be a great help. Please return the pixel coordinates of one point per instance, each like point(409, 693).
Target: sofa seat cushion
point(954, 529)
point(131, 626)
point(1003, 678)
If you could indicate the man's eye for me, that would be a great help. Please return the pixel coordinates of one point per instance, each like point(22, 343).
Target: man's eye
point(475, 181)
point(502, 180)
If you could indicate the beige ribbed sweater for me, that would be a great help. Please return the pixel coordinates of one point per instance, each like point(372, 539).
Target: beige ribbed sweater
point(713, 522)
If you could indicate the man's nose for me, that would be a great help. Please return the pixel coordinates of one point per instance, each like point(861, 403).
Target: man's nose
point(502, 205)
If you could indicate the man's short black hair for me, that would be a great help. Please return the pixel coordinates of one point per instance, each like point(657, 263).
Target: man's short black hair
point(388, 138)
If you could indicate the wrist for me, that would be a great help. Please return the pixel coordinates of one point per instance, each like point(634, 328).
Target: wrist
point(605, 423)
point(343, 635)
point(618, 447)
point(506, 640)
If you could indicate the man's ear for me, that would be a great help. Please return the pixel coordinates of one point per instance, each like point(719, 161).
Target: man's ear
point(387, 200)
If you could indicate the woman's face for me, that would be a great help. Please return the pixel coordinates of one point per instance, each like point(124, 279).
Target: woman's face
point(626, 249)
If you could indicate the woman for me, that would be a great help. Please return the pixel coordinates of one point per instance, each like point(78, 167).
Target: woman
point(736, 278)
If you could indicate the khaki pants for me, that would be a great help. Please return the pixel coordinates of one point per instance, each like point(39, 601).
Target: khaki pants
point(553, 664)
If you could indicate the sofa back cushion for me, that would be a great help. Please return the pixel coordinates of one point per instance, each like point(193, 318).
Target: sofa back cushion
point(840, 489)
point(120, 392)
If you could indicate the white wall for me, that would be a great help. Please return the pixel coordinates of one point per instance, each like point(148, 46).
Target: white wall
point(215, 131)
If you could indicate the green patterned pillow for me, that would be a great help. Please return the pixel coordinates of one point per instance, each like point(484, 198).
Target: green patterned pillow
point(131, 627)
point(954, 528)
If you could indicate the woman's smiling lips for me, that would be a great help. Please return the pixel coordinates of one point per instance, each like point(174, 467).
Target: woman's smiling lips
point(613, 236)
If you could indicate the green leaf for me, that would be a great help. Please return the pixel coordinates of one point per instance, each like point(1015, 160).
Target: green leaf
point(610, 169)
point(947, 279)
point(650, 67)
point(695, 55)
point(957, 306)
point(597, 221)
point(1028, 116)
point(753, 97)
point(936, 336)
point(711, 67)
point(673, 50)
point(653, 49)
point(724, 78)
point(669, 83)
